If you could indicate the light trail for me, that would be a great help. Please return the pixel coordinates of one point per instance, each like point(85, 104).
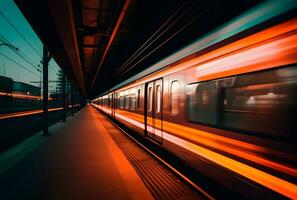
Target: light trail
point(26, 113)
point(272, 182)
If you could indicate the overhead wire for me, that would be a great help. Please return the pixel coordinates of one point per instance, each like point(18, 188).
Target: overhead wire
point(32, 62)
point(23, 37)
point(19, 53)
point(53, 68)
point(185, 26)
point(142, 48)
point(20, 34)
point(22, 66)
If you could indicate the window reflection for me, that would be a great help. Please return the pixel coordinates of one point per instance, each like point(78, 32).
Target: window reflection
point(150, 97)
point(261, 102)
point(133, 102)
point(138, 98)
point(158, 99)
point(174, 95)
point(126, 102)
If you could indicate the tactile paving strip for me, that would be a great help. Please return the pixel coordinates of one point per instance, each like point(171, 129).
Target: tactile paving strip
point(162, 182)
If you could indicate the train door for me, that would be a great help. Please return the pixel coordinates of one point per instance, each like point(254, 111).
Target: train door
point(153, 118)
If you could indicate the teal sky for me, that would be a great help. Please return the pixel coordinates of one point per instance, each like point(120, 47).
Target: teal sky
point(7, 33)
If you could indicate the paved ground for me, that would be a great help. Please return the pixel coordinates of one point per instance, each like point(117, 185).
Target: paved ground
point(80, 161)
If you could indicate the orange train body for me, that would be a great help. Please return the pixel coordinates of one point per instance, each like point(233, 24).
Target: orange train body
point(229, 113)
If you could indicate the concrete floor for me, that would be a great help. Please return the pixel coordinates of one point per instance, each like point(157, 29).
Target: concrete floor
point(80, 161)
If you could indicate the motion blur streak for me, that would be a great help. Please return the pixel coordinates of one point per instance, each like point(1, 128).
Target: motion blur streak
point(218, 142)
point(227, 111)
point(256, 16)
point(279, 52)
point(269, 48)
point(25, 113)
point(279, 185)
point(277, 41)
point(23, 96)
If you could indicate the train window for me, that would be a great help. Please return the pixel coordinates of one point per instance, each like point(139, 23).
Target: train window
point(121, 105)
point(261, 102)
point(109, 101)
point(158, 106)
point(203, 103)
point(150, 97)
point(104, 101)
point(132, 102)
point(174, 97)
point(138, 98)
point(126, 102)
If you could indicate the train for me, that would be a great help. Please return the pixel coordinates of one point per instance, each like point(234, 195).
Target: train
point(226, 105)
point(18, 96)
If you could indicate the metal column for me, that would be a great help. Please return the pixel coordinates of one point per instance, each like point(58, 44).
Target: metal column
point(45, 60)
point(64, 96)
point(72, 101)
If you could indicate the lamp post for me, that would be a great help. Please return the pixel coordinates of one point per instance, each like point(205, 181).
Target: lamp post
point(45, 61)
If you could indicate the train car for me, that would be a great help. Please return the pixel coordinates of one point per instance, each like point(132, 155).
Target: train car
point(18, 96)
point(225, 106)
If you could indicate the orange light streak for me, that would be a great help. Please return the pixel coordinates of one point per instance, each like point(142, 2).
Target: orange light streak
point(23, 96)
point(219, 142)
point(271, 54)
point(25, 113)
point(270, 181)
point(280, 39)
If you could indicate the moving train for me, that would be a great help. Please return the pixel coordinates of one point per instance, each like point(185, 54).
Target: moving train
point(17, 96)
point(226, 104)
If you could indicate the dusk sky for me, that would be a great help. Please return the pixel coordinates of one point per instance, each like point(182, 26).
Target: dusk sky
point(9, 13)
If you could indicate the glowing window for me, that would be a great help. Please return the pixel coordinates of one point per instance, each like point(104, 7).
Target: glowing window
point(133, 102)
point(121, 102)
point(150, 99)
point(127, 102)
point(138, 98)
point(174, 97)
point(158, 99)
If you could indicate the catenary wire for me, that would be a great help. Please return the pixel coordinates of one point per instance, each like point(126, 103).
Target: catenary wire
point(22, 66)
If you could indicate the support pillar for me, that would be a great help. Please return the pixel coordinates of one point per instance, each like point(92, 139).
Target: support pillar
point(45, 60)
point(64, 96)
point(75, 99)
point(72, 100)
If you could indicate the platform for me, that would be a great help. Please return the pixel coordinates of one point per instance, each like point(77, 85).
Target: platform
point(88, 157)
point(75, 163)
